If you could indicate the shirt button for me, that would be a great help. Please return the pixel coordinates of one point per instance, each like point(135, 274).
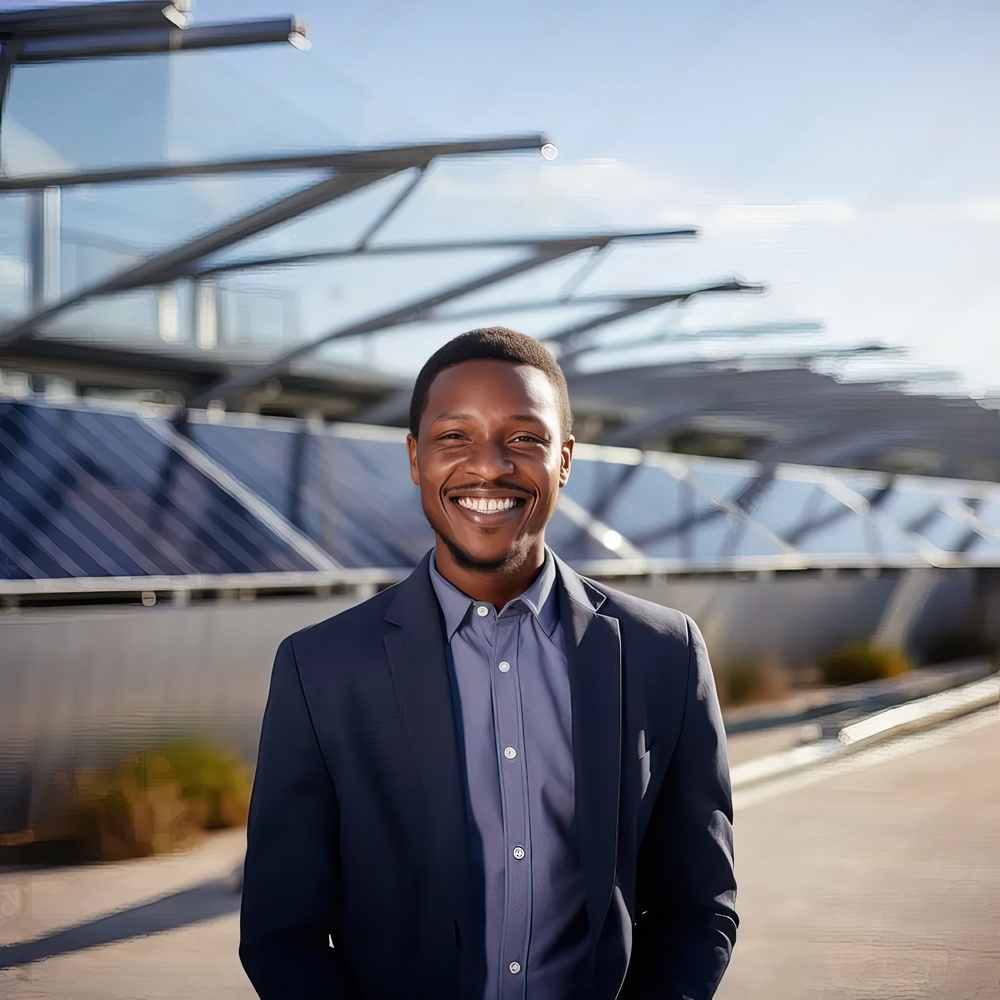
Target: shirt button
point(482, 611)
point(518, 853)
point(515, 967)
point(510, 753)
point(504, 666)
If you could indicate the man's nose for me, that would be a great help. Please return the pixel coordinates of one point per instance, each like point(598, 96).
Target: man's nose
point(489, 459)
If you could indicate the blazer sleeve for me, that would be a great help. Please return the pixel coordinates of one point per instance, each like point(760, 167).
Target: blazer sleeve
point(686, 887)
point(292, 879)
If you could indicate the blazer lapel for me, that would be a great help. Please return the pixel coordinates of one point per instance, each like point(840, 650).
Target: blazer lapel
point(593, 651)
point(419, 667)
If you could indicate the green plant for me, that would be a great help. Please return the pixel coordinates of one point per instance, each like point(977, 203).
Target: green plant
point(858, 662)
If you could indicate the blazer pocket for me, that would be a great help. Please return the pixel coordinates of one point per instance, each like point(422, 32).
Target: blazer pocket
point(645, 763)
point(645, 771)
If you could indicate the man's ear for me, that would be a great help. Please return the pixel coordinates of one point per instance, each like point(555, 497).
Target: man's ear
point(411, 447)
point(565, 460)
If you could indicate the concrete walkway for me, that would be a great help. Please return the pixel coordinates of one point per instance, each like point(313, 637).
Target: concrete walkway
point(165, 927)
point(876, 878)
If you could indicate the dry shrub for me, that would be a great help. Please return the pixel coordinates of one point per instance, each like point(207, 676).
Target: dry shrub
point(858, 662)
point(152, 802)
point(754, 681)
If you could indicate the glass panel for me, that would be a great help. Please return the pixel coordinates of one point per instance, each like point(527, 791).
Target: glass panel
point(807, 517)
point(948, 534)
point(723, 483)
point(86, 493)
point(13, 250)
point(352, 497)
point(193, 105)
point(573, 543)
point(662, 516)
point(909, 508)
point(988, 511)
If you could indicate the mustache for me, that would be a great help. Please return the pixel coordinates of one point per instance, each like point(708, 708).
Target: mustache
point(482, 484)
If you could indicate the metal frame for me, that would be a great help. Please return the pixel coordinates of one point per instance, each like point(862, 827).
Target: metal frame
point(368, 167)
point(132, 27)
point(543, 251)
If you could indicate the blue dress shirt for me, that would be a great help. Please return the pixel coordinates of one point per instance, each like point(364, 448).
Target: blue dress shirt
point(510, 674)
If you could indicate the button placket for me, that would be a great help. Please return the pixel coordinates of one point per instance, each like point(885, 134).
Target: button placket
point(513, 782)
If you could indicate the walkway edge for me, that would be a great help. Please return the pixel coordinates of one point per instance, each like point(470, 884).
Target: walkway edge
point(912, 717)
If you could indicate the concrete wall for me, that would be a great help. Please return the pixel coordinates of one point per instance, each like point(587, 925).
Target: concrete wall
point(86, 685)
point(797, 617)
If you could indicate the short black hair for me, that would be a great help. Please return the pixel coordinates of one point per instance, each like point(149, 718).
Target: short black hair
point(492, 343)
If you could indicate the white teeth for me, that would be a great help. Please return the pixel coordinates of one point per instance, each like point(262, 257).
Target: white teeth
point(482, 505)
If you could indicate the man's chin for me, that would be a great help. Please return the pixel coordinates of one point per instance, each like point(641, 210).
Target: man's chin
point(509, 561)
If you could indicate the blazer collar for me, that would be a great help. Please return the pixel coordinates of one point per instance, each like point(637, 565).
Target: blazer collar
point(593, 652)
point(415, 648)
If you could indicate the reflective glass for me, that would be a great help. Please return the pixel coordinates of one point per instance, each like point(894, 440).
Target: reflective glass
point(727, 481)
point(13, 251)
point(662, 516)
point(806, 516)
point(988, 511)
point(353, 497)
point(909, 507)
point(90, 494)
point(948, 534)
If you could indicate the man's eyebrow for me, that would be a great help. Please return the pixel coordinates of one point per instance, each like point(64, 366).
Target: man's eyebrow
point(452, 416)
point(530, 417)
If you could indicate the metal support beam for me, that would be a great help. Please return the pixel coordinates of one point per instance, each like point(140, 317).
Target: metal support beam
point(176, 263)
point(154, 40)
point(83, 17)
point(445, 246)
point(545, 251)
point(390, 210)
point(43, 247)
point(345, 161)
point(395, 317)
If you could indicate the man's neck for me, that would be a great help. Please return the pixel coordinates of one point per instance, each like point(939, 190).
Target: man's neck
point(490, 587)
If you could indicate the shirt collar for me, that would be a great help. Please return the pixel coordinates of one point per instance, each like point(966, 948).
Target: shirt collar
point(540, 598)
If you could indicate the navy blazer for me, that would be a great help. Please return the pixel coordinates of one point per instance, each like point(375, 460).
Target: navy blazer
point(358, 880)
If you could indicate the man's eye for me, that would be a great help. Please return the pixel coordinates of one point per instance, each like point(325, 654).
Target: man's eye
point(530, 438)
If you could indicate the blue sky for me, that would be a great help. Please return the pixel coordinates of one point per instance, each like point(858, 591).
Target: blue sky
point(847, 155)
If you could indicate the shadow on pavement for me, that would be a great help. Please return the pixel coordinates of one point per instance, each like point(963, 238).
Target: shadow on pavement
point(203, 902)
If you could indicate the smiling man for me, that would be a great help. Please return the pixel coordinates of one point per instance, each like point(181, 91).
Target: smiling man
point(497, 779)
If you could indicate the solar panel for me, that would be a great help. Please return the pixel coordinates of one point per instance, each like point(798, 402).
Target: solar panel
point(89, 492)
point(85, 493)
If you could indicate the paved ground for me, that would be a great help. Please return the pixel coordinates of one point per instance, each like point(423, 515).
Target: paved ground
point(876, 878)
point(86, 920)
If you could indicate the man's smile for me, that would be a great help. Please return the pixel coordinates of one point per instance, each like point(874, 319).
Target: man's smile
point(485, 506)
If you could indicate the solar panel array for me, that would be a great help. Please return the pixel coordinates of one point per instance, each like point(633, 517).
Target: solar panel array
point(96, 493)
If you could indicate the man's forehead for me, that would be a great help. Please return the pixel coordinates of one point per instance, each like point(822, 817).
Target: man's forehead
point(474, 380)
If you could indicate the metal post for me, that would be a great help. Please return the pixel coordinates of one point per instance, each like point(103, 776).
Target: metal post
point(44, 247)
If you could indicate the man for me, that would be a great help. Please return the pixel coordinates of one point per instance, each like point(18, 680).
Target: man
point(497, 779)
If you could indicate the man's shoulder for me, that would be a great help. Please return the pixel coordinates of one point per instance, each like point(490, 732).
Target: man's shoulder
point(640, 614)
point(348, 627)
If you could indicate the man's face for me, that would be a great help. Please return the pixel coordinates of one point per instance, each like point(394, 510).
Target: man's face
point(489, 461)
